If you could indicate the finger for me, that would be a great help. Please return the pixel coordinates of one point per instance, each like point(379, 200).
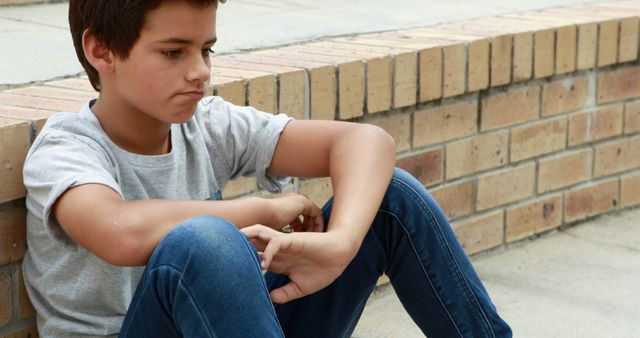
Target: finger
point(269, 252)
point(286, 293)
point(260, 235)
point(297, 225)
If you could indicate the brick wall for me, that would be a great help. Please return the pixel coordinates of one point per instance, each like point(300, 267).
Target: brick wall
point(518, 124)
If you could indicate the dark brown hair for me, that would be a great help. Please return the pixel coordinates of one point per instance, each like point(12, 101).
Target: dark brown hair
point(116, 23)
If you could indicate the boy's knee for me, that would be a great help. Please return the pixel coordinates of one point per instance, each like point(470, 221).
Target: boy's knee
point(207, 239)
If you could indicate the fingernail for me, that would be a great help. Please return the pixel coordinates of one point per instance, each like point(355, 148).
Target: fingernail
point(263, 264)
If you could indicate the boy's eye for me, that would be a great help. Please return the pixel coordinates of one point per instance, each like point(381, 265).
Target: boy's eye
point(172, 53)
point(208, 51)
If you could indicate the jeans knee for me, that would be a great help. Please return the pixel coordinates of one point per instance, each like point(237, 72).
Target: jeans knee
point(207, 240)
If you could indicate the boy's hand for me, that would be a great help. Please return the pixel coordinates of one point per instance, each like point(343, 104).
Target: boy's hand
point(287, 210)
point(310, 260)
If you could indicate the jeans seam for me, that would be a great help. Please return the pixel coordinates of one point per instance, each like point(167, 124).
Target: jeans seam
point(470, 296)
point(424, 269)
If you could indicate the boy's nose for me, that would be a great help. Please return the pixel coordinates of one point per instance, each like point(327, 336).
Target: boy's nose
point(199, 70)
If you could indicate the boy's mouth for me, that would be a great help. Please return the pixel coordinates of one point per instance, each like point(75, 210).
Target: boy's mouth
point(196, 94)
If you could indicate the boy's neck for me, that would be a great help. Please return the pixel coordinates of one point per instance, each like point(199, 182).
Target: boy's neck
point(132, 130)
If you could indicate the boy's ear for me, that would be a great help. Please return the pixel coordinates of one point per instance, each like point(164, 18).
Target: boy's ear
point(98, 55)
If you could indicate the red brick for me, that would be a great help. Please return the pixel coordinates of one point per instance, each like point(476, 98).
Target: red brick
point(28, 332)
point(565, 95)
point(426, 167)
point(538, 138)
point(533, 217)
point(509, 108)
point(505, 186)
point(445, 122)
point(456, 199)
point(595, 199)
point(481, 233)
point(54, 93)
point(597, 125)
point(476, 154)
point(43, 103)
point(15, 137)
point(564, 170)
point(617, 156)
point(619, 84)
point(239, 186)
point(632, 117)
point(13, 241)
point(629, 30)
point(319, 190)
point(73, 83)
point(630, 190)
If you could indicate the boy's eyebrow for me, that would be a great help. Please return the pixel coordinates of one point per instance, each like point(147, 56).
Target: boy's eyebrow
point(187, 42)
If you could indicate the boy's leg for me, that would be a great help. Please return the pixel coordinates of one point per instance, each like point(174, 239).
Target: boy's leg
point(203, 280)
point(412, 242)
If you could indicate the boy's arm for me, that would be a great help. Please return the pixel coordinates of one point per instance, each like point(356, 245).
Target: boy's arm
point(358, 157)
point(125, 233)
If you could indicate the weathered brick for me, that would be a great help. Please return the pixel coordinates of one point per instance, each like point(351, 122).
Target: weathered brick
point(608, 43)
point(54, 93)
point(565, 95)
point(25, 307)
point(233, 90)
point(72, 83)
point(405, 79)
point(566, 50)
point(632, 117)
point(13, 227)
point(594, 199)
point(476, 154)
point(630, 190)
point(629, 37)
point(509, 108)
point(522, 56)
point(619, 84)
point(544, 53)
point(505, 186)
point(456, 199)
point(564, 170)
point(43, 103)
point(454, 70)
point(261, 86)
point(37, 116)
point(596, 125)
point(481, 233)
point(239, 186)
point(319, 190)
point(6, 303)
point(399, 126)
point(538, 138)
point(587, 45)
point(15, 137)
point(478, 62)
point(430, 76)
point(501, 47)
point(445, 122)
point(617, 156)
point(426, 167)
point(379, 84)
point(351, 90)
point(533, 217)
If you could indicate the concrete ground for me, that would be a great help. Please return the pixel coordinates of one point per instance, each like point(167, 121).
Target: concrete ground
point(37, 45)
point(583, 281)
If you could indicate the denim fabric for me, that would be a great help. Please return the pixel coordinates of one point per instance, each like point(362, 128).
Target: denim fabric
point(204, 280)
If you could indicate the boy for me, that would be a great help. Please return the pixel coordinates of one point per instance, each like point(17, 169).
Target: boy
point(127, 235)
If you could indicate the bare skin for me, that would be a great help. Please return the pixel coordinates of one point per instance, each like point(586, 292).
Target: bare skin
point(160, 84)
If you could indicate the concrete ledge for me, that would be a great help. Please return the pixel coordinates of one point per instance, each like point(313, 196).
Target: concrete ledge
point(518, 124)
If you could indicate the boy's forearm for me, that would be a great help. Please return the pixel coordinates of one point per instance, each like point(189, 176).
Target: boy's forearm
point(148, 221)
point(361, 166)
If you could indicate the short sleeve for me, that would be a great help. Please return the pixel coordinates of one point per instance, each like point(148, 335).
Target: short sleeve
point(57, 162)
point(245, 137)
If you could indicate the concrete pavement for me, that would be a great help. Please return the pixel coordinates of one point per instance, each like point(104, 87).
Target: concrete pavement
point(37, 45)
point(583, 281)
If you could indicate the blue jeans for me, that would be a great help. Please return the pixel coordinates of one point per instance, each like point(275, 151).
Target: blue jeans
point(204, 280)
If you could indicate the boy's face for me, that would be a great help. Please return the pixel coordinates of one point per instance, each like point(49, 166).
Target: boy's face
point(168, 68)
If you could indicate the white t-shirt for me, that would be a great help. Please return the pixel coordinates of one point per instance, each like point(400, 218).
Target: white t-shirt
point(77, 294)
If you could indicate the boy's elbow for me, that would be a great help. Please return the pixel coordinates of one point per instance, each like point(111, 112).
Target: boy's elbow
point(127, 246)
point(382, 140)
